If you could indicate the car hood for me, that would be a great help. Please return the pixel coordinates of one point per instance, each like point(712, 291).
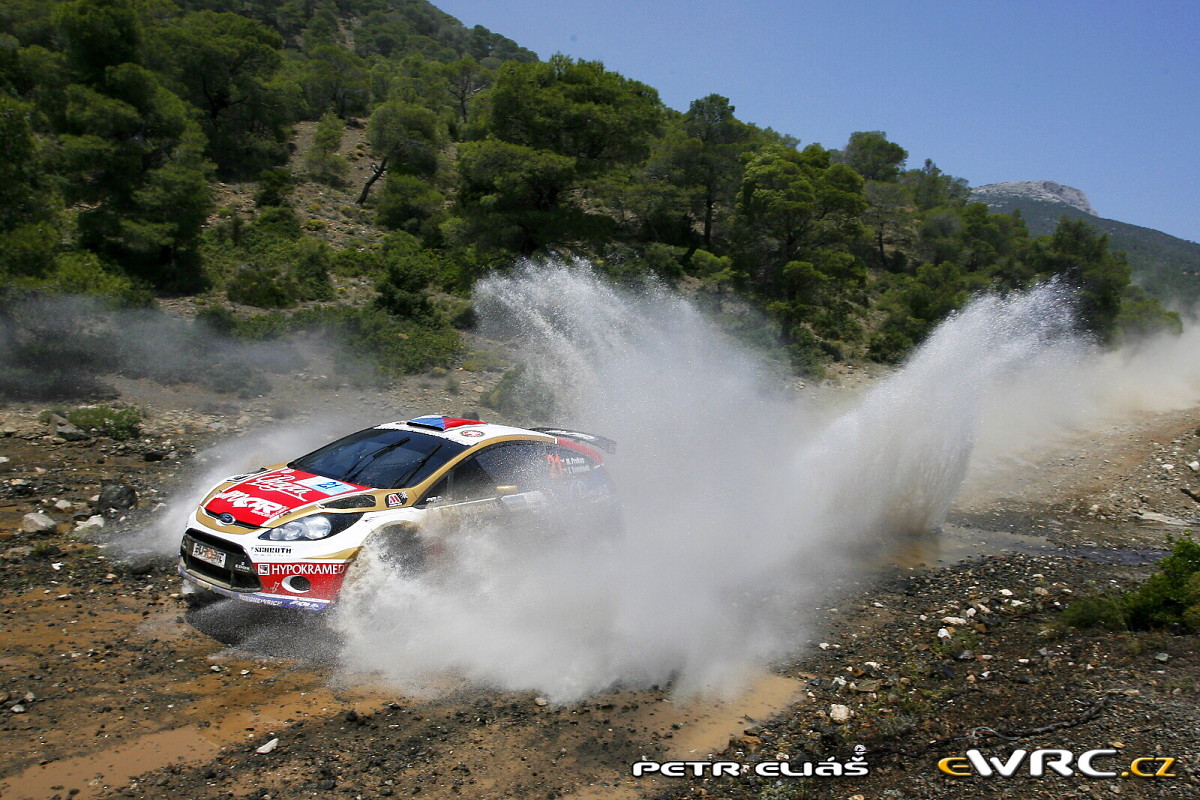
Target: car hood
point(257, 499)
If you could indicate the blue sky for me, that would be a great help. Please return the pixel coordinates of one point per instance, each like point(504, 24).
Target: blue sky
point(1098, 95)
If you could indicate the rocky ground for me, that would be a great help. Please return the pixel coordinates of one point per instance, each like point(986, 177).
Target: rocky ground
point(112, 687)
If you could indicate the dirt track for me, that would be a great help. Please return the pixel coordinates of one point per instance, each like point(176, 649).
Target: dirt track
point(133, 695)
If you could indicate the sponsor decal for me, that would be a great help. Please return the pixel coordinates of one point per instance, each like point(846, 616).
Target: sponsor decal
point(1063, 762)
point(301, 569)
point(239, 499)
point(576, 465)
point(826, 768)
point(278, 550)
point(396, 499)
point(283, 482)
point(327, 486)
point(556, 465)
point(473, 434)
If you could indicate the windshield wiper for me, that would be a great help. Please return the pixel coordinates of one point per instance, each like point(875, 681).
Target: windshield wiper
point(370, 458)
point(399, 482)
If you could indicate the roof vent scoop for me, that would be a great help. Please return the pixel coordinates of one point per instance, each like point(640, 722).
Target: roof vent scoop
point(442, 423)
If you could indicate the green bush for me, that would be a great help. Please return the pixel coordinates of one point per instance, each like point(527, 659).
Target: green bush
point(115, 423)
point(1171, 596)
point(274, 186)
point(119, 423)
point(261, 287)
point(1104, 611)
point(1164, 597)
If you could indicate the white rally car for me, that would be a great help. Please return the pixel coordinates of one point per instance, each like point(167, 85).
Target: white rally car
point(285, 536)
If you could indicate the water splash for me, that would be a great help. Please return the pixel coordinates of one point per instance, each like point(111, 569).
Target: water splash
point(743, 503)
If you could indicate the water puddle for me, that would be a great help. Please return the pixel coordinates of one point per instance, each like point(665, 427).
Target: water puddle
point(114, 766)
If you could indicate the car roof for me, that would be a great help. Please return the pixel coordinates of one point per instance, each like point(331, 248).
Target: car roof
point(463, 431)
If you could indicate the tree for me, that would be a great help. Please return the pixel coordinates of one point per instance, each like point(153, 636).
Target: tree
point(1081, 256)
point(931, 187)
point(404, 137)
point(465, 79)
point(322, 161)
point(29, 234)
point(870, 154)
point(792, 204)
point(100, 34)
point(890, 217)
point(715, 168)
point(224, 64)
point(576, 109)
point(134, 161)
point(335, 79)
point(513, 197)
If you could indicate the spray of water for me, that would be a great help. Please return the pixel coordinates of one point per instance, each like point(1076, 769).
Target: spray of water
point(742, 504)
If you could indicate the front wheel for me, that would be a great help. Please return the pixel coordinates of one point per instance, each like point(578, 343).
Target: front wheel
point(401, 548)
point(198, 597)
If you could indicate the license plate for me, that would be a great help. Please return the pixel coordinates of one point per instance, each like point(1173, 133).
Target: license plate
point(209, 554)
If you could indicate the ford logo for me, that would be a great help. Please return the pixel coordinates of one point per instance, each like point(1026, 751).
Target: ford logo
point(226, 518)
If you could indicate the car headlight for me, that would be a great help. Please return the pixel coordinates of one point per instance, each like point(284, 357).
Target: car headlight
point(312, 527)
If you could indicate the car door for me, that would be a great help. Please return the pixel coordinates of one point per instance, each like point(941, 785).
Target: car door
point(502, 484)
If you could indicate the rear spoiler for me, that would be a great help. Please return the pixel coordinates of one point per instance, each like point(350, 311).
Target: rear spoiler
point(595, 440)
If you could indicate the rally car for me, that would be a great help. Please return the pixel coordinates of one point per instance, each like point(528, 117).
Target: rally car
point(286, 535)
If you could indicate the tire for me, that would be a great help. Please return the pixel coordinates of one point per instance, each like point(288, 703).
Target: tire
point(400, 546)
point(197, 597)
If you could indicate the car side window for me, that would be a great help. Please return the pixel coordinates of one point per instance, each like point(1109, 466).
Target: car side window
point(519, 464)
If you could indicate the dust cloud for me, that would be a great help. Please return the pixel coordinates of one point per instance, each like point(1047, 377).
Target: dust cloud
point(743, 503)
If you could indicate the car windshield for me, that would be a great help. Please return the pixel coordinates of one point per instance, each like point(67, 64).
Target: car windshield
point(382, 458)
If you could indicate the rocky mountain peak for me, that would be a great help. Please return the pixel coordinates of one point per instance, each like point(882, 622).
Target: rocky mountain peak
point(1034, 190)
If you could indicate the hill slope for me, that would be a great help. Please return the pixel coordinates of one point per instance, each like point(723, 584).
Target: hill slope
point(1165, 266)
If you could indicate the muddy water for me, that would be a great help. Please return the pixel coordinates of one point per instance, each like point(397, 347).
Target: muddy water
point(954, 544)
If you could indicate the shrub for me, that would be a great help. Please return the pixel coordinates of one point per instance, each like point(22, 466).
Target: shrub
point(274, 186)
point(115, 423)
point(262, 287)
point(119, 423)
point(1163, 598)
point(1171, 596)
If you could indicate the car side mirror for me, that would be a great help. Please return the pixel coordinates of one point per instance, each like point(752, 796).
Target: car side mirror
point(506, 491)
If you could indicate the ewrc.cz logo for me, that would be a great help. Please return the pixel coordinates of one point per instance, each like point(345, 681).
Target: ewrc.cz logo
point(1057, 760)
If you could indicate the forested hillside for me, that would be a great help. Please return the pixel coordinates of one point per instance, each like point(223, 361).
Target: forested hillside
point(1164, 265)
point(126, 122)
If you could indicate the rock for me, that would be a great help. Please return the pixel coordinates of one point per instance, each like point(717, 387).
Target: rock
point(268, 747)
point(541, 701)
point(840, 714)
point(17, 709)
point(65, 430)
point(37, 522)
point(64, 505)
point(117, 495)
point(959, 621)
point(92, 523)
point(1162, 658)
point(943, 633)
point(19, 553)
